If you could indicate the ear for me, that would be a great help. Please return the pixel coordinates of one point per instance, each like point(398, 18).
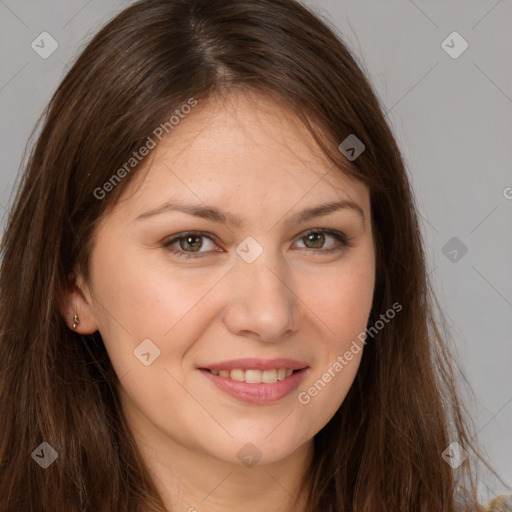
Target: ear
point(77, 301)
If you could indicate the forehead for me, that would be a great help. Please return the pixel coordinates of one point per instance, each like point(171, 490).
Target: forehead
point(243, 147)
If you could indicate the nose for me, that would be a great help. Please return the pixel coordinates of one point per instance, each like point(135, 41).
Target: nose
point(262, 302)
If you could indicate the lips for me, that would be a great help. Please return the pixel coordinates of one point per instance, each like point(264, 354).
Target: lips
point(257, 364)
point(256, 380)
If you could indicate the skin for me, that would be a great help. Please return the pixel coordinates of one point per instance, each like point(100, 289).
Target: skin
point(253, 158)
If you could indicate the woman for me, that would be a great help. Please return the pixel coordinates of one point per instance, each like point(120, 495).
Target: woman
point(213, 288)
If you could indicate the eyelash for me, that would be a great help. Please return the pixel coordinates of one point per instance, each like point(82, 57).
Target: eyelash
point(341, 238)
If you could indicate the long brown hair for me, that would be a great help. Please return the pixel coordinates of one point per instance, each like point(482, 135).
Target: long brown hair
point(382, 450)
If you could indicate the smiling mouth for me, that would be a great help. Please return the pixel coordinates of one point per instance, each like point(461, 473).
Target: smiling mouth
point(251, 376)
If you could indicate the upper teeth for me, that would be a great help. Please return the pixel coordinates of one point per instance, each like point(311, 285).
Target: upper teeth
point(255, 376)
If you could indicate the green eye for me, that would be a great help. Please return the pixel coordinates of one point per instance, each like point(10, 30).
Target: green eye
point(193, 242)
point(316, 239)
point(189, 244)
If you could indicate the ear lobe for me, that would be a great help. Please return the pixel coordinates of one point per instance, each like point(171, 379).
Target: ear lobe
point(76, 301)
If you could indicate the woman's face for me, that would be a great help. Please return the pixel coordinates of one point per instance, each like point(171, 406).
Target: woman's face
point(193, 322)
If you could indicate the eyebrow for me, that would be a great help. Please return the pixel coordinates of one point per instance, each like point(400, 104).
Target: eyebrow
point(216, 215)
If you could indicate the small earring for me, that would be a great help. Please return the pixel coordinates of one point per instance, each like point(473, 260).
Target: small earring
point(76, 321)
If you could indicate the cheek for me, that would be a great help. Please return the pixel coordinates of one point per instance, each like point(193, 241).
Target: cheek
point(341, 306)
point(140, 295)
point(343, 298)
point(143, 299)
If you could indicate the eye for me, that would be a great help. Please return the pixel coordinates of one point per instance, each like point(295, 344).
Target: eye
point(189, 244)
point(316, 238)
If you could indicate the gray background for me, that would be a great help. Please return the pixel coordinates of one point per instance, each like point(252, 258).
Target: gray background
point(452, 119)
